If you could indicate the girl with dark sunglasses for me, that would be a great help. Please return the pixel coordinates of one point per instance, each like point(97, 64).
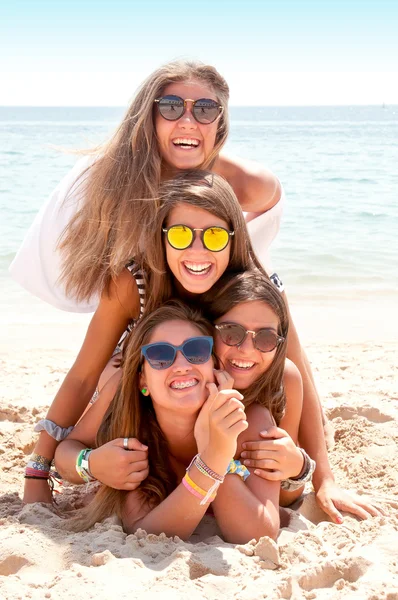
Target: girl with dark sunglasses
point(102, 214)
point(252, 327)
point(183, 261)
point(192, 428)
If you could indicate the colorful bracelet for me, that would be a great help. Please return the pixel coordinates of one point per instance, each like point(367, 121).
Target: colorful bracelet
point(235, 467)
point(193, 488)
point(82, 467)
point(38, 467)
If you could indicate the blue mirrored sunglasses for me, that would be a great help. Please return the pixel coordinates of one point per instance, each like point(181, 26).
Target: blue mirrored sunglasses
point(161, 355)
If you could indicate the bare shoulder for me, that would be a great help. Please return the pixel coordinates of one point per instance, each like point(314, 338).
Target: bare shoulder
point(292, 379)
point(87, 428)
point(251, 180)
point(122, 293)
point(259, 419)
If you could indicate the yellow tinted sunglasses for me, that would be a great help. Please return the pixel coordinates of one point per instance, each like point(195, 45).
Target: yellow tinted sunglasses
point(181, 237)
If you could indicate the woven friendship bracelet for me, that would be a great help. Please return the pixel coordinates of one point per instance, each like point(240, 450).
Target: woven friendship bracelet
point(38, 467)
point(203, 468)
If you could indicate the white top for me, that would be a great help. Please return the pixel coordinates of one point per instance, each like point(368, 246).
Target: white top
point(37, 264)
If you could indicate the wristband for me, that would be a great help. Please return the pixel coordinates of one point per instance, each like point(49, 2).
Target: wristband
point(82, 467)
point(235, 467)
point(291, 484)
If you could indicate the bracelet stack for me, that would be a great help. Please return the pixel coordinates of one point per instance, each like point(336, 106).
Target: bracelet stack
point(294, 483)
point(210, 494)
point(38, 467)
point(82, 466)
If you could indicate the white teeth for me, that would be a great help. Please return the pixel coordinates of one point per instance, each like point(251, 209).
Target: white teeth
point(242, 364)
point(197, 267)
point(180, 385)
point(186, 142)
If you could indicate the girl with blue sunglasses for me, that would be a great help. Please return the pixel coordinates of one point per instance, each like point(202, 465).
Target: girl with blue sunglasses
point(192, 424)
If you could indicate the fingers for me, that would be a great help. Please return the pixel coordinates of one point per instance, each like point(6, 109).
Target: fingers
point(233, 417)
point(262, 464)
point(264, 445)
point(275, 475)
point(135, 480)
point(133, 444)
point(329, 508)
point(224, 379)
point(260, 454)
point(136, 456)
point(274, 433)
point(226, 402)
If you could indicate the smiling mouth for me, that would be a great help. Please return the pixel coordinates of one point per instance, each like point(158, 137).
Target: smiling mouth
point(182, 385)
point(186, 143)
point(196, 269)
point(243, 365)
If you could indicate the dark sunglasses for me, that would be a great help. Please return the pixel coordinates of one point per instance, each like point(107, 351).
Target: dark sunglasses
point(264, 340)
point(204, 110)
point(161, 355)
point(181, 237)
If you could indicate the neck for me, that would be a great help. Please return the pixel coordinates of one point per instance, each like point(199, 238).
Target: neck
point(182, 293)
point(178, 431)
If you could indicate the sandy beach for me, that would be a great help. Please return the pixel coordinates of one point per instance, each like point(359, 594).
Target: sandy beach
point(312, 559)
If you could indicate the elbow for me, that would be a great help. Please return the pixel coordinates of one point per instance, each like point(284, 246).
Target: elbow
point(269, 527)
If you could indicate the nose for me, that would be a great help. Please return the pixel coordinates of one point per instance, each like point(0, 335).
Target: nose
point(187, 120)
point(197, 243)
point(181, 364)
point(247, 345)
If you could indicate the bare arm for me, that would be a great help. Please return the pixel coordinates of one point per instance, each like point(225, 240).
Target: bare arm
point(256, 188)
point(222, 419)
point(111, 463)
point(250, 509)
point(107, 325)
point(115, 310)
point(311, 433)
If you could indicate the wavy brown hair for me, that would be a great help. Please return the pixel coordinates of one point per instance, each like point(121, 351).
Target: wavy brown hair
point(121, 187)
point(209, 192)
point(232, 290)
point(130, 414)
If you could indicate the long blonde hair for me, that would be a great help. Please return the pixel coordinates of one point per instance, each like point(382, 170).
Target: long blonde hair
point(130, 414)
point(121, 187)
point(232, 290)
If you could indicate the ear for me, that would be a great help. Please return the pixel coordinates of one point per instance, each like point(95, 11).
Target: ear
point(143, 386)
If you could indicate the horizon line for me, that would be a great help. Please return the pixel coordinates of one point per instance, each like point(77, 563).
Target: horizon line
point(379, 104)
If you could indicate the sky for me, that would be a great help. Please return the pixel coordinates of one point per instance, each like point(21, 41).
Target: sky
point(271, 52)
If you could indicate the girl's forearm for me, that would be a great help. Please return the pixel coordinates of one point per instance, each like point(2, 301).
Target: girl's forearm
point(240, 515)
point(66, 409)
point(65, 460)
point(179, 514)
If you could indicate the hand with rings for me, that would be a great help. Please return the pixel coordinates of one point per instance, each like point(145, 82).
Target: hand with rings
point(121, 464)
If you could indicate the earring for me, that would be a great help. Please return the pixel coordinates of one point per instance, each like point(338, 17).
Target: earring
point(144, 391)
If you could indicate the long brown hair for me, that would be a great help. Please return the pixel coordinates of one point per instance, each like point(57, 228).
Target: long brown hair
point(209, 192)
point(232, 290)
point(131, 414)
point(120, 189)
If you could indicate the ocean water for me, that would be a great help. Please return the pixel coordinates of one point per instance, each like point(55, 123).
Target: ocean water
point(338, 165)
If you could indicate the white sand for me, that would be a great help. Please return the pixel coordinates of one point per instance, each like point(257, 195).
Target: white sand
point(313, 559)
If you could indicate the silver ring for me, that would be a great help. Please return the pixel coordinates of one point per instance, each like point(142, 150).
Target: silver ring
point(126, 443)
